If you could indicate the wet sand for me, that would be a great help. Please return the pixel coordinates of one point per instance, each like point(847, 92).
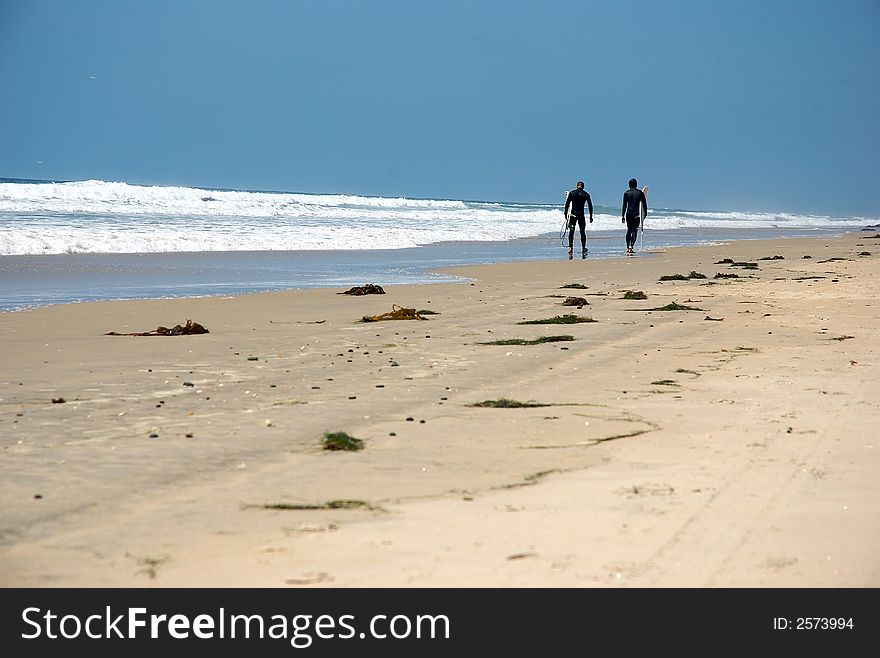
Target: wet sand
point(734, 445)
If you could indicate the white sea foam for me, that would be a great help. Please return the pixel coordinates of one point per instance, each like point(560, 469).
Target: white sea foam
point(105, 217)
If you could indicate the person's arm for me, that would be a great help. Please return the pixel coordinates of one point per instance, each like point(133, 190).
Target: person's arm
point(590, 203)
point(623, 210)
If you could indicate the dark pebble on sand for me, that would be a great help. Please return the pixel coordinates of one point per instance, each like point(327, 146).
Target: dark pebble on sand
point(444, 398)
point(422, 422)
point(188, 384)
point(154, 436)
point(58, 400)
point(314, 387)
point(352, 397)
point(392, 433)
point(189, 435)
point(410, 419)
point(38, 496)
point(563, 348)
point(380, 385)
point(271, 385)
point(253, 358)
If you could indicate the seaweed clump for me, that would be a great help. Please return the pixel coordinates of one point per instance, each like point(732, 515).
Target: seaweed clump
point(536, 341)
point(504, 403)
point(368, 289)
point(675, 306)
point(560, 319)
point(397, 313)
point(341, 441)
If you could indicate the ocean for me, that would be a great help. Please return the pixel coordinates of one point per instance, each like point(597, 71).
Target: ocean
point(64, 242)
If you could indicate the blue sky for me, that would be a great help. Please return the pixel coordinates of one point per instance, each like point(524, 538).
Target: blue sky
point(763, 105)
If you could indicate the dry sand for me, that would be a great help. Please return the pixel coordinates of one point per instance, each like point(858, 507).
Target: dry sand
point(679, 450)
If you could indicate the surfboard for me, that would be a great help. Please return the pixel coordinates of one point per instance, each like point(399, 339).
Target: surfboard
point(563, 233)
point(643, 213)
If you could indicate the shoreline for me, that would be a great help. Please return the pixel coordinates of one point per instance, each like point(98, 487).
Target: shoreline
point(675, 452)
point(34, 281)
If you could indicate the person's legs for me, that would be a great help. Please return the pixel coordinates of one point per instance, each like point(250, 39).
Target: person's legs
point(582, 224)
point(632, 232)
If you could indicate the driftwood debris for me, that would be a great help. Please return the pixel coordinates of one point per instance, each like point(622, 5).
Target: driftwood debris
point(189, 329)
point(368, 289)
point(397, 313)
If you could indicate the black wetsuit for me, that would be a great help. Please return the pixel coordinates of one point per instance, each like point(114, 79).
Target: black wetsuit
point(576, 200)
point(633, 198)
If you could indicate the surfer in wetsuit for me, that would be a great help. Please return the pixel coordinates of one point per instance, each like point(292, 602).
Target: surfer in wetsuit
point(575, 201)
point(631, 213)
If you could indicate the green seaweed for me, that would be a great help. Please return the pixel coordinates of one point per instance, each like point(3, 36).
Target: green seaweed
point(578, 286)
point(637, 294)
point(536, 341)
point(560, 319)
point(341, 441)
point(426, 312)
point(665, 382)
point(730, 275)
point(682, 277)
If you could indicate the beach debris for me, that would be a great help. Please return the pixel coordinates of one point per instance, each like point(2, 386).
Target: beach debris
point(521, 556)
point(724, 261)
point(188, 329)
point(675, 306)
point(330, 504)
point(722, 275)
point(504, 403)
point(843, 338)
point(368, 289)
point(58, 400)
point(575, 301)
point(341, 441)
point(427, 312)
point(864, 253)
point(634, 294)
point(714, 319)
point(560, 319)
point(745, 265)
point(683, 277)
point(577, 286)
point(665, 382)
point(536, 341)
point(397, 313)
point(311, 578)
point(776, 257)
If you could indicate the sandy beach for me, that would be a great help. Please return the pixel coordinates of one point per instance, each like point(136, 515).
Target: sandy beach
point(731, 445)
